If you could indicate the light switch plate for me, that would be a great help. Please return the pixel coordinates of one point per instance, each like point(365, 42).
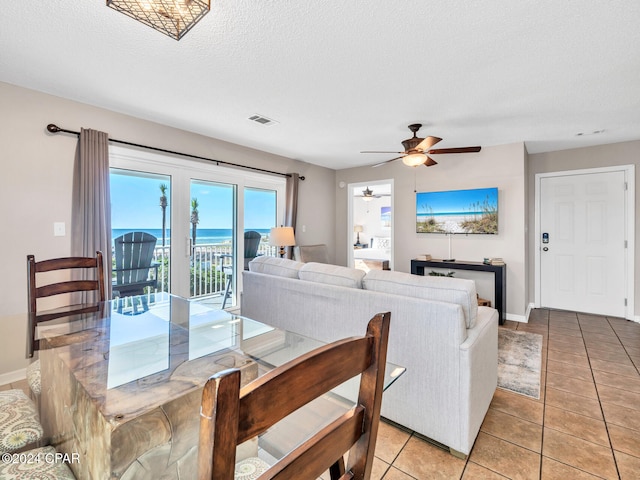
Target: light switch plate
point(59, 229)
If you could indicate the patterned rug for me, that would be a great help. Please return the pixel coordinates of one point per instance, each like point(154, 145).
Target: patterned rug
point(519, 361)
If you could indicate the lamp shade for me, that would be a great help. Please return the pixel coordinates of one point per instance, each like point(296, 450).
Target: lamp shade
point(282, 236)
point(358, 228)
point(414, 159)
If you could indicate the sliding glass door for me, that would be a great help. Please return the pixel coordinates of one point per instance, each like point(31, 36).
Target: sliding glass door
point(198, 253)
point(212, 239)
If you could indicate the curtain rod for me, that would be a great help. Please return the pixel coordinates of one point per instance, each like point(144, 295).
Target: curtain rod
point(52, 128)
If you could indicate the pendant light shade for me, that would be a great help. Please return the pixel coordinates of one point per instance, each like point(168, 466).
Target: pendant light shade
point(171, 17)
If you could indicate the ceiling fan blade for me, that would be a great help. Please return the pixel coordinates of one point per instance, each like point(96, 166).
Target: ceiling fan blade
point(427, 143)
point(375, 151)
point(430, 162)
point(455, 150)
point(387, 161)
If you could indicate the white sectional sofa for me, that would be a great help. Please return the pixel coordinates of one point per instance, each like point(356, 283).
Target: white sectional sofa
point(447, 343)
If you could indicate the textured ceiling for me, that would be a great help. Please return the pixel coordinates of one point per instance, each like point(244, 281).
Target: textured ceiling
point(343, 76)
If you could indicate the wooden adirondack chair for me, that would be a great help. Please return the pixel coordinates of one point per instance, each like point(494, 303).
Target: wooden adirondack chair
point(134, 254)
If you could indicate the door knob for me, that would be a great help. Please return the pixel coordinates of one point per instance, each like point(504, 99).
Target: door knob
point(545, 249)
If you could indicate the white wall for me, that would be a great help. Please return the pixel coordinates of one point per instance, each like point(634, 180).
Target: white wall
point(35, 189)
point(501, 166)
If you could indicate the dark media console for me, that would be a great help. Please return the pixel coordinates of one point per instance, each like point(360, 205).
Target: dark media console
point(499, 274)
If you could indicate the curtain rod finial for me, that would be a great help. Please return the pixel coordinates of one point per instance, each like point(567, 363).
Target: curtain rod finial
point(52, 128)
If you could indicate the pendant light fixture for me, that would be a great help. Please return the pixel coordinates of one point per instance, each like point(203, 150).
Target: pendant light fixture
point(171, 17)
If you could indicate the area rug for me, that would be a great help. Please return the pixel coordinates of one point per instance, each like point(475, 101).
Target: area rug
point(519, 361)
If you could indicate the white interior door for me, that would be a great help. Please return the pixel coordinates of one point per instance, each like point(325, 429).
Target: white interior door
point(582, 243)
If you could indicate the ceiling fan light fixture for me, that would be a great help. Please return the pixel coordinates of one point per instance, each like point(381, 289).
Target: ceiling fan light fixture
point(414, 159)
point(171, 17)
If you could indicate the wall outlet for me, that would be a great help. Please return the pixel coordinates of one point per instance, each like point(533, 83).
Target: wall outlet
point(59, 229)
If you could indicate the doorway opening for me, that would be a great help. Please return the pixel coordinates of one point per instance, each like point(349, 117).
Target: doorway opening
point(370, 229)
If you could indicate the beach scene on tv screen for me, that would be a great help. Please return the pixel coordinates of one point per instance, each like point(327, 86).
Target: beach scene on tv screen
point(458, 211)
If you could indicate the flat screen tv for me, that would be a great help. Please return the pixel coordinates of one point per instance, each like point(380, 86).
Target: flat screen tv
point(458, 211)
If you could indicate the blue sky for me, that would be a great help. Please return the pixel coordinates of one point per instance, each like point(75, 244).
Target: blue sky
point(454, 200)
point(135, 203)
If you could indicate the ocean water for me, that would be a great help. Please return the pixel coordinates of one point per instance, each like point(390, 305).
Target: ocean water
point(203, 235)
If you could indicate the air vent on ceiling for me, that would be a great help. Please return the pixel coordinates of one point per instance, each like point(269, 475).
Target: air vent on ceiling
point(261, 119)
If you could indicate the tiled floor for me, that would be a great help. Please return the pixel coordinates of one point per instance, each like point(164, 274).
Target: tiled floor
point(586, 424)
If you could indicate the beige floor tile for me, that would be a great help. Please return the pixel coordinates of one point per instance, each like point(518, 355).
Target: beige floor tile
point(591, 317)
point(611, 348)
point(572, 339)
point(575, 349)
point(622, 416)
point(620, 397)
point(553, 470)
point(473, 471)
point(570, 358)
point(625, 440)
point(627, 332)
point(570, 323)
point(505, 458)
point(390, 441)
point(620, 357)
point(573, 385)
point(378, 469)
point(395, 474)
point(632, 349)
point(618, 381)
point(579, 372)
point(577, 425)
point(518, 406)
point(579, 453)
point(565, 332)
point(611, 367)
point(420, 459)
point(574, 403)
point(595, 330)
point(628, 466)
point(513, 429)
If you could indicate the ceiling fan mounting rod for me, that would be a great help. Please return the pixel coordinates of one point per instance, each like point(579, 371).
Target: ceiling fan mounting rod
point(414, 127)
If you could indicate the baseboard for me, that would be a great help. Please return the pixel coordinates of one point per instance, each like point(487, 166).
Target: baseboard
point(15, 376)
point(518, 318)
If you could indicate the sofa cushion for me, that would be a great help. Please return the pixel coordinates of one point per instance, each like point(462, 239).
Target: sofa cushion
point(331, 274)
point(444, 289)
point(281, 267)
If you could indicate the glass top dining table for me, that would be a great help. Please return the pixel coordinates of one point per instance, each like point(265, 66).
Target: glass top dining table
point(123, 391)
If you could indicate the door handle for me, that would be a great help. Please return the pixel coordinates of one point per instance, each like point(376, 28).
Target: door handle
point(545, 249)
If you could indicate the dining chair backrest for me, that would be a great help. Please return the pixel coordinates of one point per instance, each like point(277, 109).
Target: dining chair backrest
point(251, 245)
point(93, 281)
point(231, 415)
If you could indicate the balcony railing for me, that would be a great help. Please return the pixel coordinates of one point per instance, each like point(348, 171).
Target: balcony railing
point(210, 266)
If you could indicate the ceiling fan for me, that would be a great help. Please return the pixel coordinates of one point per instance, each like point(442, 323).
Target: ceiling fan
point(367, 194)
point(418, 150)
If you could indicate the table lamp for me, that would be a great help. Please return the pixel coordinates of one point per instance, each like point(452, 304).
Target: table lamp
point(358, 229)
point(282, 237)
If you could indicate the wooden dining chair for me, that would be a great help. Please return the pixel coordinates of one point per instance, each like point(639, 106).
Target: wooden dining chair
point(230, 415)
point(36, 291)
